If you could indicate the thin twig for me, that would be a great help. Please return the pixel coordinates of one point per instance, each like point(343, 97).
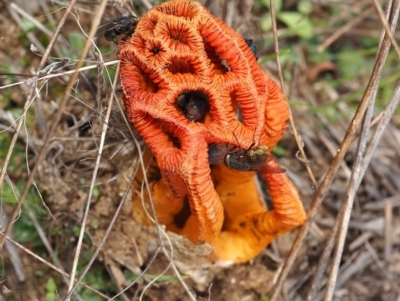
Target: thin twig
point(7, 238)
point(83, 227)
point(323, 260)
point(325, 184)
point(292, 124)
point(388, 232)
point(15, 259)
point(31, 19)
point(388, 31)
point(41, 235)
point(161, 232)
point(349, 201)
point(338, 33)
point(13, 9)
point(35, 79)
point(360, 166)
point(93, 30)
point(56, 119)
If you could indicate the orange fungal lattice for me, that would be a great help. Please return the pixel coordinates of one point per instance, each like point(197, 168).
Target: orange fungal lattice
point(179, 47)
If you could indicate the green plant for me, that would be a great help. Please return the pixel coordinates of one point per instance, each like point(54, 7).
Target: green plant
point(297, 22)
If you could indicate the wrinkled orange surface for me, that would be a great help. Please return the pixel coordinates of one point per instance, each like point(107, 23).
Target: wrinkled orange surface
point(178, 47)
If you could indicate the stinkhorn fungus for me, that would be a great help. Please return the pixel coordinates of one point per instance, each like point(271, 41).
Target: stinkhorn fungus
point(180, 52)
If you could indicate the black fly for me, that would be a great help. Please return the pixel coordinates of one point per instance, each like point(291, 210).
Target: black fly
point(119, 26)
point(194, 105)
point(252, 46)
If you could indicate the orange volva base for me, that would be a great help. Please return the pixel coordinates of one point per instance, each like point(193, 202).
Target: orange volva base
point(247, 227)
point(179, 47)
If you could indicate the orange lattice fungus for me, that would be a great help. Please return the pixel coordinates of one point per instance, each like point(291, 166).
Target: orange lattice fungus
point(185, 75)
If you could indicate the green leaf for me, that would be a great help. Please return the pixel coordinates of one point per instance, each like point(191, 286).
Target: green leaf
point(76, 41)
point(297, 23)
point(277, 4)
point(96, 191)
point(305, 7)
point(279, 151)
point(94, 223)
point(265, 23)
point(51, 296)
point(28, 26)
point(51, 285)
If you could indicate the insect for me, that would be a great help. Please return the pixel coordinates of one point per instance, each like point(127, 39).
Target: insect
point(239, 159)
point(194, 105)
point(119, 26)
point(250, 159)
point(252, 46)
point(242, 160)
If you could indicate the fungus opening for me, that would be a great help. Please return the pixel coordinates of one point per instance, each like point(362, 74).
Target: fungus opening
point(219, 65)
point(181, 66)
point(155, 50)
point(186, 10)
point(175, 141)
point(178, 35)
point(147, 84)
point(151, 23)
point(236, 106)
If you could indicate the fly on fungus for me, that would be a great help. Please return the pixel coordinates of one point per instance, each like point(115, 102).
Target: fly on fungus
point(239, 159)
point(250, 159)
point(253, 159)
point(117, 27)
point(252, 46)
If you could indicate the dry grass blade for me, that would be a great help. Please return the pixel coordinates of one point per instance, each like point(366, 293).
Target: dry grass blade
point(323, 261)
point(388, 31)
point(99, 247)
point(51, 265)
point(46, 243)
point(55, 75)
point(88, 43)
point(39, 25)
point(11, 249)
point(84, 221)
point(161, 233)
point(21, 120)
point(388, 232)
point(348, 203)
point(14, 10)
point(278, 64)
point(324, 186)
point(345, 28)
point(360, 166)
